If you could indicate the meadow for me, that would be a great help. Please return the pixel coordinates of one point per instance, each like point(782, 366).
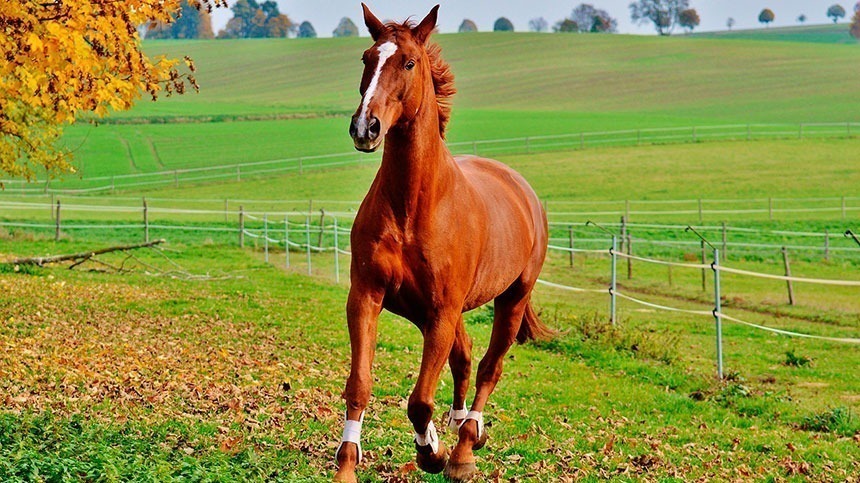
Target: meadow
point(200, 361)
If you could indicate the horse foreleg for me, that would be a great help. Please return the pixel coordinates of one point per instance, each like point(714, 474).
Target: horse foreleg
point(439, 337)
point(472, 435)
point(362, 312)
point(460, 362)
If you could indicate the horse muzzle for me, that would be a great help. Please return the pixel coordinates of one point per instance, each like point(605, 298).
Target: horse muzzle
point(365, 133)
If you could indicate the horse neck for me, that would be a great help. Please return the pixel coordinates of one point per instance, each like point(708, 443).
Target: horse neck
point(416, 165)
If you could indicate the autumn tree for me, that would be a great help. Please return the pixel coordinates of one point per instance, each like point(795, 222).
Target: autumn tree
point(590, 19)
point(855, 25)
point(566, 25)
point(190, 22)
point(307, 31)
point(730, 22)
point(835, 12)
point(256, 20)
point(467, 26)
point(801, 19)
point(663, 14)
point(538, 24)
point(689, 19)
point(346, 28)
point(502, 24)
point(64, 59)
point(766, 17)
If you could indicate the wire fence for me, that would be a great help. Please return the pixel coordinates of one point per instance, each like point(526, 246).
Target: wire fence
point(306, 239)
point(518, 145)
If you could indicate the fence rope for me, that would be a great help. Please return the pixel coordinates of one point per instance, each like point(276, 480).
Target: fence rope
point(577, 250)
point(697, 266)
point(663, 307)
point(788, 332)
point(570, 289)
point(820, 281)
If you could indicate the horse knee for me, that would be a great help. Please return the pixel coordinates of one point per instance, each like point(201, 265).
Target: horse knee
point(357, 393)
point(489, 370)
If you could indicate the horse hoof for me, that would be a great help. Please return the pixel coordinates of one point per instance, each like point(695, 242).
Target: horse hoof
point(432, 462)
point(481, 441)
point(460, 472)
point(345, 476)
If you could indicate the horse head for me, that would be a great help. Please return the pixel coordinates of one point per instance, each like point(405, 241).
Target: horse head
point(396, 80)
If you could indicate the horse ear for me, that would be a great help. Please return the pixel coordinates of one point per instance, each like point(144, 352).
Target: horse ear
point(427, 26)
point(373, 24)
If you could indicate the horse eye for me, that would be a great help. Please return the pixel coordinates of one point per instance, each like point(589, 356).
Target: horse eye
point(410, 65)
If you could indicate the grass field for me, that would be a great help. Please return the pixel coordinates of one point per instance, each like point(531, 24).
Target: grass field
point(201, 362)
point(161, 379)
point(822, 34)
point(578, 83)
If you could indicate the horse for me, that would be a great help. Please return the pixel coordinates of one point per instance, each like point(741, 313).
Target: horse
point(436, 236)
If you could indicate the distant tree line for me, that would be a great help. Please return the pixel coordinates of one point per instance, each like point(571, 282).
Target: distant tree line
point(253, 19)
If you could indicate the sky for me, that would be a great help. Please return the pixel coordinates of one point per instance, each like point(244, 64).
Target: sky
point(325, 14)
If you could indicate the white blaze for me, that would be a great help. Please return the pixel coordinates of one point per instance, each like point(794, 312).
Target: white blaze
point(386, 50)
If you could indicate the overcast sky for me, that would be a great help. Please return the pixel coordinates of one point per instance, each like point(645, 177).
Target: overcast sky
point(324, 15)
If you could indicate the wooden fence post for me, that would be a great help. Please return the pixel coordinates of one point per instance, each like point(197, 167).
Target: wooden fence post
point(704, 271)
point(57, 232)
point(322, 224)
point(701, 217)
point(826, 245)
point(788, 274)
point(570, 238)
point(724, 251)
point(241, 226)
point(770, 208)
point(629, 253)
point(145, 221)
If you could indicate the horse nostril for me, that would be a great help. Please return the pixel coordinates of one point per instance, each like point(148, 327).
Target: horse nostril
point(373, 128)
point(353, 129)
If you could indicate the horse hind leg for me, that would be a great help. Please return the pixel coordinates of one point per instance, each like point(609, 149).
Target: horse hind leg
point(460, 362)
point(510, 308)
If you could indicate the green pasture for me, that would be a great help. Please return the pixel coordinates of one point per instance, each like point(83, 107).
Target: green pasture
point(273, 99)
point(820, 34)
point(239, 377)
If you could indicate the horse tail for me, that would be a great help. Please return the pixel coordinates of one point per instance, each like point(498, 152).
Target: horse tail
point(532, 328)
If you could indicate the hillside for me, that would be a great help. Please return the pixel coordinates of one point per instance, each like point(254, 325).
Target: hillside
point(576, 83)
point(820, 34)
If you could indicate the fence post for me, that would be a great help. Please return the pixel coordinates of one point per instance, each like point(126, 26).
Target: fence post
point(704, 273)
point(308, 240)
point(725, 251)
point(770, 208)
point(241, 227)
point(287, 240)
point(843, 207)
point(788, 274)
point(623, 232)
point(322, 227)
point(238, 173)
point(638, 137)
point(145, 221)
point(629, 254)
point(336, 259)
point(826, 245)
point(718, 317)
point(528, 146)
point(700, 211)
point(474, 148)
point(57, 233)
point(613, 278)
point(266, 236)
point(749, 132)
point(694, 134)
point(570, 238)
point(301, 166)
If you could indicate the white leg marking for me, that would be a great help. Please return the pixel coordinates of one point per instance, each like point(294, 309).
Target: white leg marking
point(430, 437)
point(386, 50)
point(352, 434)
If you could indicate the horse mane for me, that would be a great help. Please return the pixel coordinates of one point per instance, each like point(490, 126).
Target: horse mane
point(440, 71)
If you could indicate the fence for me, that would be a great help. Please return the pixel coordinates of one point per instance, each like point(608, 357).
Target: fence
point(519, 145)
point(279, 231)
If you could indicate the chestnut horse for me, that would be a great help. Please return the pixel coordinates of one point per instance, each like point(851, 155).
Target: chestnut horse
point(434, 237)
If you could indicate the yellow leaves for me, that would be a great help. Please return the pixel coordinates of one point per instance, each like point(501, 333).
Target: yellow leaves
point(70, 57)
